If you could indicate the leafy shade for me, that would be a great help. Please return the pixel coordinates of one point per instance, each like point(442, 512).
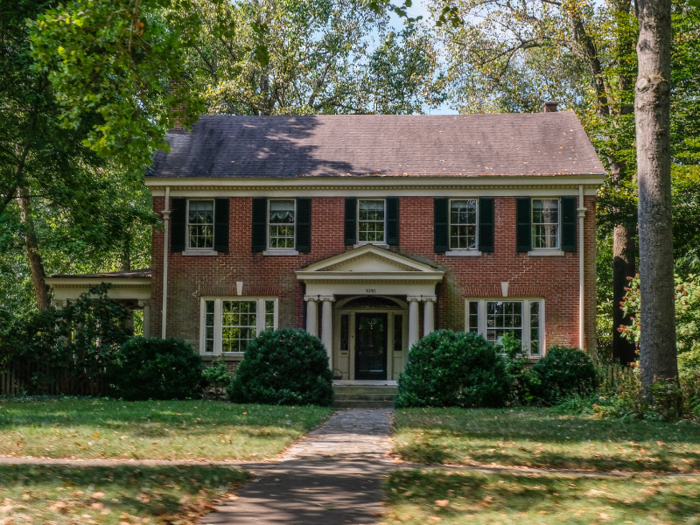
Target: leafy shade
point(146, 369)
point(117, 58)
point(285, 367)
point(449, 368)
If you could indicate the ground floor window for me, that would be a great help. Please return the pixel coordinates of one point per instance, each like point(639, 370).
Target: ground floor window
point(494, 318)
point(230, 324)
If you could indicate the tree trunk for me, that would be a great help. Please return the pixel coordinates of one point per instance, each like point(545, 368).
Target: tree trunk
point(31, 246)
point(652, 106)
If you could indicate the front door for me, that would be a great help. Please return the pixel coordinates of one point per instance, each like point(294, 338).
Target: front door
point(370, 346)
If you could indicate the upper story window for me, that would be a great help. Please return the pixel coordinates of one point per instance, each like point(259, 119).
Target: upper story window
point(545, 223)
point(281, 224)
point(496, 318)
point(371, 221)
point(200, 224)
point(463, 224)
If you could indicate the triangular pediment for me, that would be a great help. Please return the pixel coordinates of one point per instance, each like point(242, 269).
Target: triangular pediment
point(367, 260)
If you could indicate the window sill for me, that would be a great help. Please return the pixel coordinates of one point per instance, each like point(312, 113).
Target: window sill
point(279, 253)
point(377, 244)
point(200, 253)
point(463, 253)
point(545, 252)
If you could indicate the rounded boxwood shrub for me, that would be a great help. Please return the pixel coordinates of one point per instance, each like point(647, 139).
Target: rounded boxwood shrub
point(449, 368)
point(152, 368)
point(562, 372)
point(285, 367)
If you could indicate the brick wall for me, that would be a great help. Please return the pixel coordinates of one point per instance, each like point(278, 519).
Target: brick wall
point(556, 279)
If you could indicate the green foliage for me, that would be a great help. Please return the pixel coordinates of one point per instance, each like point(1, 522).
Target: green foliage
point(687, 312)
point(217, 377)
point(68, 347)
point(151, 368)
point(562, 372)
point(116, 58)
point(524, 382)
point(449, 368)
point(284, 367)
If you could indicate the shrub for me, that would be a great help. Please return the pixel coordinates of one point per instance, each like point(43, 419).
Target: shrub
point(151, 368)
point(449, 368)
point(285, 367)
point(65, 351)
point(562, 372)
point(217, 377)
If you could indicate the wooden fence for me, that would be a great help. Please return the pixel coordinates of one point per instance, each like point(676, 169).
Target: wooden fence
point(613, 375)
point(53, 383)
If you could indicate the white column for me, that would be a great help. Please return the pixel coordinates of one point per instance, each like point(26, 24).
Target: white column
point(146, 305)
point(581, 271)
point(327, 323)
point(311, 314)
point(166, 243)
point(413, 328)
point(428, 314)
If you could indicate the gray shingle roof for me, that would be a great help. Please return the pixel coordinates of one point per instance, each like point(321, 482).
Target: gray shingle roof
point(387, 145)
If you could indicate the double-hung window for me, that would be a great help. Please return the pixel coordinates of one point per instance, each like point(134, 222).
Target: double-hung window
point(463, 224)
point(200, 224)
point(281, 224)
point(371, 223)
point(496, 318)
point(545, 224)
point(230, 324)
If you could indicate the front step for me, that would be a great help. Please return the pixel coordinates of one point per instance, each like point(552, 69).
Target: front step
point(361, 396)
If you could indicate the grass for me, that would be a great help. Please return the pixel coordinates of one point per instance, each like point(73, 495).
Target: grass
point(114, 495)
point(543, 438)
point(97, 428)
point(460, 498)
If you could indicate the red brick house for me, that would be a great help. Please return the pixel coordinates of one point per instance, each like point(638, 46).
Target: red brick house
point(371, 231)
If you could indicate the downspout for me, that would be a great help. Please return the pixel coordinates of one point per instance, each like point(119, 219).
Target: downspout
point(166, 239)
point(581, 271)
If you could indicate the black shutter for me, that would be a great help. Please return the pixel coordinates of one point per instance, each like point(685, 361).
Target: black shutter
point(350, 221)
point(221, 208)
point(568, 224)
point(303, 241)
point(486, 224)
point(259, 224)
point(178, 217)
point(392, 220)
point(524, 229)
point(441, 221)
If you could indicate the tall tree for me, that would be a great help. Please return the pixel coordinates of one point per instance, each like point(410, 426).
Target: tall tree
point(652, 104)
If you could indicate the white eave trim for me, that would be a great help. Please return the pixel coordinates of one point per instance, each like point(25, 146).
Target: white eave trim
point(120, 282)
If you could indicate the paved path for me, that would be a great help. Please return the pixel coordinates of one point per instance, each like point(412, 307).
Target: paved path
point(332, 476)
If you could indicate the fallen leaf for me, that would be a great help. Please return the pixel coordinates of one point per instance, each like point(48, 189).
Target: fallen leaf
point(442, 502)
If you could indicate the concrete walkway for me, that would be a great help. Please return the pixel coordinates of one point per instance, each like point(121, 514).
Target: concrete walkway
point(331, 476)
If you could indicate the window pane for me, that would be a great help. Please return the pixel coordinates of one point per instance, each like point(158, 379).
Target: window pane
point(281, 224)
point(200, 224)
point(344, 333)
point(535, 328)
point(238, 324)
point(209, 327)
point(269, 315)
point(545, 223)
point(463, 224)
point(371, 221)
point(503, 317)
point(398, 333)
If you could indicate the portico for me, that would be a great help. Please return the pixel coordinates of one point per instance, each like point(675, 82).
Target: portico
point(376, 318)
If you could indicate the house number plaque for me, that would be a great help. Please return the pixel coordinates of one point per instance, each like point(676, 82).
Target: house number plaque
point(370, 290)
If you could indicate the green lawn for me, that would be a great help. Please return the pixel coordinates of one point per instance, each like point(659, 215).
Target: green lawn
point(114, 495)
point(461, 498)
point(543, 438)
point(96, 428)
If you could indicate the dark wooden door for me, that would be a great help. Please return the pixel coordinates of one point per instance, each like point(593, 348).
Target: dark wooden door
point(370, 346)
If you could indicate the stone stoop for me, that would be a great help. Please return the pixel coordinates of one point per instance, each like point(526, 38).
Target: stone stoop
point(360, 396)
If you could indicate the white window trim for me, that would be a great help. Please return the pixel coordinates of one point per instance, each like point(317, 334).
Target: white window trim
point(546, 251)
point(461, 252)
point(281, 251)
point(218, 328)
point(200, 251)
point(357, 225)
point(526, 314)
